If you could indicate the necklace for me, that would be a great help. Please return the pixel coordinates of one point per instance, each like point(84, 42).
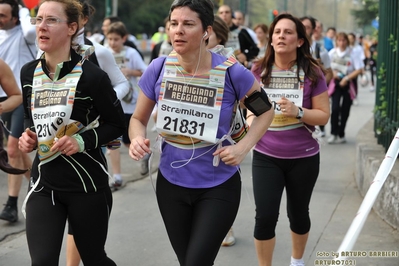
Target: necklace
point(48, 70)
point(288, 71)
point(281, 68)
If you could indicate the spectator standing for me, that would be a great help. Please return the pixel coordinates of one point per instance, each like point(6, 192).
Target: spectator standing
point(132, 66)
point(329, 40)
point(239, 39)
point(287, 156)
point(197, 207)
point(346, 66)
point(159, 36)
point(17, 47)
point(86, 114)
point(239, 20)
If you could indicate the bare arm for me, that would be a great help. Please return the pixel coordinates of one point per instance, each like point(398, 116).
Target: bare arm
point(349, 77)
point(317, 115)
point(329, 75)
point(10, 87)
point(140, 145)
point(234, 154)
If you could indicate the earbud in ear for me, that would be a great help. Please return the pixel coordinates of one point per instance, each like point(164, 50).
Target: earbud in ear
point(205, 34)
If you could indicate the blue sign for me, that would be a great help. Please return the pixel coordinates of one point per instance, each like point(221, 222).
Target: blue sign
point(375, 23)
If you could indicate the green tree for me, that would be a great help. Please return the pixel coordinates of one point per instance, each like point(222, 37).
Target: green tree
point(139, 16)
point(367, 12)
point(143, 16)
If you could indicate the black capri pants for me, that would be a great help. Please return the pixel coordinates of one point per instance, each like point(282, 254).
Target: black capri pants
point(270, 177)
point(197, 220)
point(87, 213)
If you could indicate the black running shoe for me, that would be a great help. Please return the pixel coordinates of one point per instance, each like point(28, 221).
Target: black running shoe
point(9, 213)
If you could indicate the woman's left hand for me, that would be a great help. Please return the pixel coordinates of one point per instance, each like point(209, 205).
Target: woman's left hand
point(287, 107)
point(66, 145)
point(230, 155)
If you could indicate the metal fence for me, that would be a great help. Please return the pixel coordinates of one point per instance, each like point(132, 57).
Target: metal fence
point(387, 94)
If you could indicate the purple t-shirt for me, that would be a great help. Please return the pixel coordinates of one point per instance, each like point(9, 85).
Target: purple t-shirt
point(298, 142)
point(199, 171)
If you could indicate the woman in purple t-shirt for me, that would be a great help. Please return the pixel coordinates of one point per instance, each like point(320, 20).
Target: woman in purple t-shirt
point(287, 156)
point(198, 183)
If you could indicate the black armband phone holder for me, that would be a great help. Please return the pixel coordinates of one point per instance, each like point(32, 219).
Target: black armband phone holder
point(258, 102)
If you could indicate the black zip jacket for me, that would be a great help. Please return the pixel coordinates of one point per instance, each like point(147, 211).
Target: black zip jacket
point(94, 97)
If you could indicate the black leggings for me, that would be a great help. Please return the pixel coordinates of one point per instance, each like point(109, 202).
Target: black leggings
point(87, 213)
point(340, 112)
point(270, 176)
point(197, 220)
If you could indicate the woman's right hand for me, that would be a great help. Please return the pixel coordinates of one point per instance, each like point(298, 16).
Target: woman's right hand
point(27, 141)
point(139, 147)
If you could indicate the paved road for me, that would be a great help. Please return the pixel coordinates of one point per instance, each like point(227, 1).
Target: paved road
point(137, 235)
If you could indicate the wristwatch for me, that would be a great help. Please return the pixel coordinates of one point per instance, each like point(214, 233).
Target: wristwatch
point(300, 113)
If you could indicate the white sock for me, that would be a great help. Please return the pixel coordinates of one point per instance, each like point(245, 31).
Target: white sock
point(117, 177)
point(297, 261)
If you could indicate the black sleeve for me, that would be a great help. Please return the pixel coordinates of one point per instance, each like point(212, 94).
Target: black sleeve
point(112, 118)
point(155, 51)
point(26, 84)
point(247, 45)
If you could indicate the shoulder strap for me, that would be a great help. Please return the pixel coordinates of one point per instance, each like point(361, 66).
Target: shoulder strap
point(232, 84)
point(160, 69)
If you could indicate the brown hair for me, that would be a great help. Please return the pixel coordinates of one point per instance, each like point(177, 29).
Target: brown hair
point(221, 30)
point(264, 27)
point(118, 28)
point(304, 58)
point(342, 35)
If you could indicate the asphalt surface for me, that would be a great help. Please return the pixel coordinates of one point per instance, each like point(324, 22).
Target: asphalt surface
point(137, 235)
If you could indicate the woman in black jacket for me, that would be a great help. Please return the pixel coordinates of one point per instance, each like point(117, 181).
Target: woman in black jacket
point(71, 111)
